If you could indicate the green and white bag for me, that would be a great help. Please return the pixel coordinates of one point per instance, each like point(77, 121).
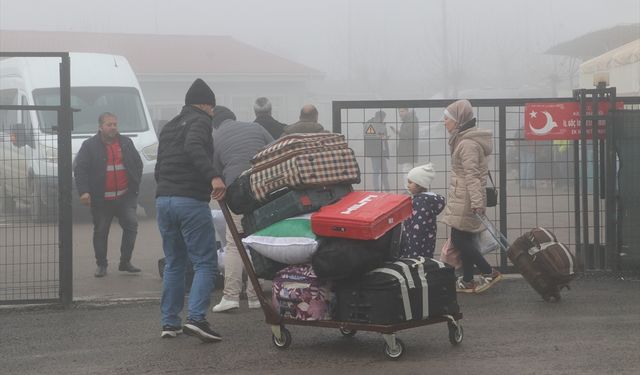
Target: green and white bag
point(289, 241)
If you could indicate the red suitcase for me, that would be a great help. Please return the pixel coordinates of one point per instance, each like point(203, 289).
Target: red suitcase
point(361, 215)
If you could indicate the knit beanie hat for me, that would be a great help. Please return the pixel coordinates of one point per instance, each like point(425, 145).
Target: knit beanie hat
point(422, 175)
point(200, 93)
point(221, 113)
point(459, 111)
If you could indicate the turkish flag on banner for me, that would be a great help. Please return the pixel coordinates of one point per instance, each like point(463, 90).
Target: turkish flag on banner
point(549, 121)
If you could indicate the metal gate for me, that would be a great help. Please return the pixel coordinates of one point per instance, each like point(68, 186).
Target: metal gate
point(35, 188)
point(623, 185)
point(537, 180)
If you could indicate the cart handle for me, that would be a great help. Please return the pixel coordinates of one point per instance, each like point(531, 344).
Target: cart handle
point(271, 317)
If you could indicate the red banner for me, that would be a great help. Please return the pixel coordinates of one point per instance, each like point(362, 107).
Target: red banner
point(549, 121)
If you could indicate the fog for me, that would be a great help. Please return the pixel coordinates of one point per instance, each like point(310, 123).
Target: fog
point(410, 49)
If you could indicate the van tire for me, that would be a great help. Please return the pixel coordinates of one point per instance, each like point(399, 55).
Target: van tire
point(7, 204)
point(39, 211)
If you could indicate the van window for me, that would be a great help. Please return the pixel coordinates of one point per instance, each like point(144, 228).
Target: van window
point(8, 118)
point(124, 102)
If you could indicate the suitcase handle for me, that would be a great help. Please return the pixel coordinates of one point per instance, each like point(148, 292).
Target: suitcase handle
point(495, 233)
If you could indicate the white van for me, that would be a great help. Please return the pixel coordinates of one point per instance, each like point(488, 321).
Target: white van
point(28, 144)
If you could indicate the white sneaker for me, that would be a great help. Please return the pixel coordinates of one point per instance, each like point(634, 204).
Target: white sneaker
point(225, 305)
point(254, 304)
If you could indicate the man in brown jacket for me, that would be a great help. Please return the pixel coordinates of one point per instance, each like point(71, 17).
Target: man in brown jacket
point(308, 122)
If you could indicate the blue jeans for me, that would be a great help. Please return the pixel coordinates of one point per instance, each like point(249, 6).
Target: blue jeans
point(379, 168)
point(187, 230)
point(527, 169)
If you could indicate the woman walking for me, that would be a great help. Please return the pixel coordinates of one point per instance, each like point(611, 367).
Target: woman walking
point(470, 149)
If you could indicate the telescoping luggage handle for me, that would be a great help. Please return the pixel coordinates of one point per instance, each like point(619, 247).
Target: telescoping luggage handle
point(495, 233)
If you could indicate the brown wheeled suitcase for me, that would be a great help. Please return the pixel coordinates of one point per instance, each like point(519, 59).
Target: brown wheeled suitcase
point(546, 264)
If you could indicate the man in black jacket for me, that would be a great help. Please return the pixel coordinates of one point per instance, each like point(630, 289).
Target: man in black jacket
point(107, 173)
point(186, 182)
point(262, 108)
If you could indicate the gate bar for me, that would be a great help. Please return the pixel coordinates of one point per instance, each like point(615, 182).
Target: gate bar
point(65, 229)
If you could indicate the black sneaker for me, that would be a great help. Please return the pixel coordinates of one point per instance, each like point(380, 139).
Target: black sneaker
point(201, 330)
point(169, 332)
point(128, 267)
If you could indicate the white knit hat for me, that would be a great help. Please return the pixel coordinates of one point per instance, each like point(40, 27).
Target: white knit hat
point(422, 175)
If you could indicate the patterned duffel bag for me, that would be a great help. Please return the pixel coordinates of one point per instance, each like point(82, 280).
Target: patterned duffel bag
point(307, 170)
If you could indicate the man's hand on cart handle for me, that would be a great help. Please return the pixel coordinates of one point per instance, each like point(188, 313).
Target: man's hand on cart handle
point(218, 188)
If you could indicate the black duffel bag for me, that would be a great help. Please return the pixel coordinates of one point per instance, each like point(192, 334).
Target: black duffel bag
point(341, 258)
point(239, 197)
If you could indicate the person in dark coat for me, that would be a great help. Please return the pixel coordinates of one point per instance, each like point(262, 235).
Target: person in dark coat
point(262, 109)
point(408, 135)
point(376, 147)
point(107, 172)
point(186, 182)
point(308, 122)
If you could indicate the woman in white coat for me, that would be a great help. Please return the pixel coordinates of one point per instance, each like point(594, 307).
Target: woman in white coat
point(470, 149)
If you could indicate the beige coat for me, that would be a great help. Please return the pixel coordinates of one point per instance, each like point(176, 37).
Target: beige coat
point(469, 170)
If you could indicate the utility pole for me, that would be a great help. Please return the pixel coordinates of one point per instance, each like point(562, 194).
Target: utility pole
point(445, 51)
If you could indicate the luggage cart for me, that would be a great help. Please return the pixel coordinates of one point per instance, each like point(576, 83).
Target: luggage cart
point(394, 348)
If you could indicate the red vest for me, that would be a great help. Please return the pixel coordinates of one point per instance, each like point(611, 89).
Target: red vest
point(115, 182)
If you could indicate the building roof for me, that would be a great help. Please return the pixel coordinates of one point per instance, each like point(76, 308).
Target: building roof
point(162, 54)
point(598, 42)
point(621, 56)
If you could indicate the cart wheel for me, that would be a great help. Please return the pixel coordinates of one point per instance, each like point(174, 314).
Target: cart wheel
point(394, 355)
point(347, 332)
point(284, 341)
point(553, 297)
point(456, 333)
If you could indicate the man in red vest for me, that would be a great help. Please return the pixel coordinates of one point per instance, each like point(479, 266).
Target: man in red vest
point(107, 173)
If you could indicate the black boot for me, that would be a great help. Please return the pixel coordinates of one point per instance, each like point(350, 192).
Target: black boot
point(128, 267)
point(101, 271)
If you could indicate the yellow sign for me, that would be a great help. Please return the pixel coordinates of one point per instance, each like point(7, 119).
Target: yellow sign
point(370, 130)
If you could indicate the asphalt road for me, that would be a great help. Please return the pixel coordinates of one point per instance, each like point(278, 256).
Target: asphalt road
point(508, 330)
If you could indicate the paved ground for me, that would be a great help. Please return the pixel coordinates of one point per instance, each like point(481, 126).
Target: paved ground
point(508, 330)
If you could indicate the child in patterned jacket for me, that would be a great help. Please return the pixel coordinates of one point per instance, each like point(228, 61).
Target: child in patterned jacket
point(419, 236)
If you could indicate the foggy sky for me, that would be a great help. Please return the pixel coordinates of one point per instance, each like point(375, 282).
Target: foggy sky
point(369, 39)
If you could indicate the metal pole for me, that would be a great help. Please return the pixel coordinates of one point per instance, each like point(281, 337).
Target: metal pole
point(502, 132)
point(610, 204)
point(611, 200)
point(65, 230)
point(583, 179)
point(595, 136)
point(576, 201)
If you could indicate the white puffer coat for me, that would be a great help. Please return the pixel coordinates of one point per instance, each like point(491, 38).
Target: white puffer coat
point(469, 170)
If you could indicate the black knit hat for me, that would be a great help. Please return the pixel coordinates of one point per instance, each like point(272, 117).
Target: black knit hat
point(221, 113)
point(200, 93)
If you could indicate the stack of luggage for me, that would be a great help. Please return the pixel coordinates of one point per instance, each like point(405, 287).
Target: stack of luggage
point(331, 252)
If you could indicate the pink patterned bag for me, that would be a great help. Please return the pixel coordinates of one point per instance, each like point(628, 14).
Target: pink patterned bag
point(450, 255)
point(299, 294)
